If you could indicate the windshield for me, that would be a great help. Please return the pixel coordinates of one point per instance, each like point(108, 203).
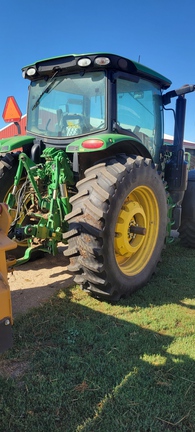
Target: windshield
point(66, 106)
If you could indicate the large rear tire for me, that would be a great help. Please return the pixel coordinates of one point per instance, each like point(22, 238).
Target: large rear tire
point(187, 228)
point(117, 226)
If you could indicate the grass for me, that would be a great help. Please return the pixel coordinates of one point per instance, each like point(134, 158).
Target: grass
point(80, 365)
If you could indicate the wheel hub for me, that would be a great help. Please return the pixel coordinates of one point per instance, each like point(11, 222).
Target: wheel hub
point(131, 218)
point(136, 231)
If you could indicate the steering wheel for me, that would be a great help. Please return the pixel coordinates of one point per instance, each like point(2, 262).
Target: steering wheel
point(101, 126)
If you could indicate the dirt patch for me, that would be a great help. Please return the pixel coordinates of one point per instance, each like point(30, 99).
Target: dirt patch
point(12, 368)
point(35, 282)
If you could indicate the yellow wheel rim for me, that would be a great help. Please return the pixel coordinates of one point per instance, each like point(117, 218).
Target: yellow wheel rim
point(136, 231)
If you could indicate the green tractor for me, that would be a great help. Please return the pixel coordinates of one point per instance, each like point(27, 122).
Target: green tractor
point(93, 171)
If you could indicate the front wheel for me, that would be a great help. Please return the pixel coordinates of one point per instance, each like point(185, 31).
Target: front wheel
point(117, 226)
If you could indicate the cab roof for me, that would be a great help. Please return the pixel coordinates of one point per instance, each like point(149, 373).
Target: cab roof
point(68, 63)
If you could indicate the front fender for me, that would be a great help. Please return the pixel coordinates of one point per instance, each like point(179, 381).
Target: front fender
point(8, 145)
point(108, 140)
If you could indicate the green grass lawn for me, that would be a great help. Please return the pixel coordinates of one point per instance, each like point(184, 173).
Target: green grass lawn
point(83, 365)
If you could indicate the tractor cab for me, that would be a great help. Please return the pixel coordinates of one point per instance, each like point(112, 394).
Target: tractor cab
point(75, 97)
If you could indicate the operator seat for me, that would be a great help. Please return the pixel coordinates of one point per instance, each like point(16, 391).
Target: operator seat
point(72, 124)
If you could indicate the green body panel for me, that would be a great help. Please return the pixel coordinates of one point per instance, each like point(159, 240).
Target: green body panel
point(9, 144)
point(108, 139)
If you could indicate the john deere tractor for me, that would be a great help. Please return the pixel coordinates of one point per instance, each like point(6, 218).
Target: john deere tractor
point(94, 173)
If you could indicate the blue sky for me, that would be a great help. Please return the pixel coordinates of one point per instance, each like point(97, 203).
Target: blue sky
point(161, 32)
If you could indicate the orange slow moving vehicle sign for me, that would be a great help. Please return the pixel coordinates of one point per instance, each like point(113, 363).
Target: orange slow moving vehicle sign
point(11, 112)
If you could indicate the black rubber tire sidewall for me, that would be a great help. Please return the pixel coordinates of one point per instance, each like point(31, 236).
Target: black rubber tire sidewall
point(7, 174)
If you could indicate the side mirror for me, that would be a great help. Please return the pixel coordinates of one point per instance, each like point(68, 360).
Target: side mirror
point(179, 92)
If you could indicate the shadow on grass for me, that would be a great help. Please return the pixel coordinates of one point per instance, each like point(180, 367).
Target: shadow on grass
point(91, 371)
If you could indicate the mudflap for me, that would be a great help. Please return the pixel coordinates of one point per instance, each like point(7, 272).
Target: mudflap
point(6, 339)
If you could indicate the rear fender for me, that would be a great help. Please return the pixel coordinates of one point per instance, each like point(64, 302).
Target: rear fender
point(100, 142)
